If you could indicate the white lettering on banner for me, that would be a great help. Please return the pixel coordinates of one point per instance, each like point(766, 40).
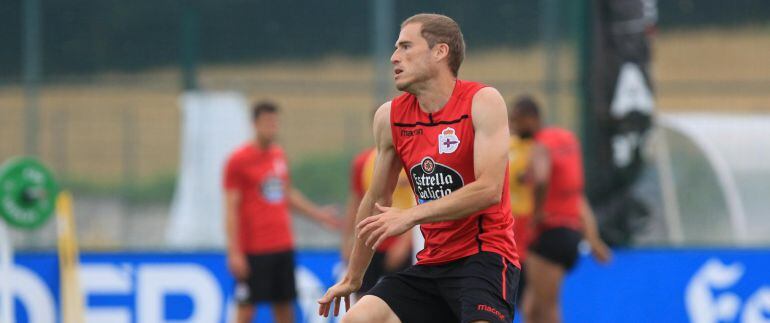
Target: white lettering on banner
point(757, 307)
point(704, 306)
point(150, 284)
point(100, 279)
point(34, 296)
point(309, 290)
point(194, 281)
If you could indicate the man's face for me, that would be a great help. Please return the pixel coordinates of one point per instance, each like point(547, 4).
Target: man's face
point(522, 125)
point(411, 60)
point(267, 127)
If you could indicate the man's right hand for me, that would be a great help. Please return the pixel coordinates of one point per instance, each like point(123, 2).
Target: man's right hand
point(238, 266)
point(336, 294)
point(601, 251)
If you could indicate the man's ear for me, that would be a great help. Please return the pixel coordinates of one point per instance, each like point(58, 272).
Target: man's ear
point(440, 51)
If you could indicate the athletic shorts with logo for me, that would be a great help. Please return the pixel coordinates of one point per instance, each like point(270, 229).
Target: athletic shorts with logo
point(271, 279)
point(478, 287)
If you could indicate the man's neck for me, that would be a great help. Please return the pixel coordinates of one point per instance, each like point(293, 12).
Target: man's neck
point(262, 144)
point(436, 93)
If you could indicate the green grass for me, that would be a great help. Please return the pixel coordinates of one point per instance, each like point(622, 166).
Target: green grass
point(155, 189)
point(323, 178)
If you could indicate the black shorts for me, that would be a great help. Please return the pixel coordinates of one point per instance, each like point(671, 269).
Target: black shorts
point(376, 271)
point(271, 279)
point(479, 287)
point(558, 245)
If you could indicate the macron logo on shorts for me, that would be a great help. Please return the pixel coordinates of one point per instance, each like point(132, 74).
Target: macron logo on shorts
point(490, 309)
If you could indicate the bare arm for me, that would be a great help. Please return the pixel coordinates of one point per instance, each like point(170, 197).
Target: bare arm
point(599, 249)
point(323, 215)
point(385, 177)
point(348, 230)
point(232, 198)
point(386, 170)
point(236, 259)
point(541, 171)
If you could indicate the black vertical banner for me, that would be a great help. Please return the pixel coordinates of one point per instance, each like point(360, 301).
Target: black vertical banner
point(619, 107)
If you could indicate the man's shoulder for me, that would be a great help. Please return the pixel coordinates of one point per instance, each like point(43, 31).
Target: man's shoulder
point(555, 136)
point(556, 133)
point(241, 152)
point(473, 90)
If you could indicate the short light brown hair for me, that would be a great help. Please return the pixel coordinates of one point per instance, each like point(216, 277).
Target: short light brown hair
point(261, 108)
point(441, 29)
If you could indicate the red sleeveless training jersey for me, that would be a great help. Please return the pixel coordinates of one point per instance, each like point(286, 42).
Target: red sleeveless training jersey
point(437, 152)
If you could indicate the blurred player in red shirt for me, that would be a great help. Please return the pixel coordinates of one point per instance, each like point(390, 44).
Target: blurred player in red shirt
point(258, 194)
point(560, 214)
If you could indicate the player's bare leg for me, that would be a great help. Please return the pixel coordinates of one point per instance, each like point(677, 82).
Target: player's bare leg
point(526, 303)
point(283, 312)
point(541, 300)
point(245, 313)
point(370, 309)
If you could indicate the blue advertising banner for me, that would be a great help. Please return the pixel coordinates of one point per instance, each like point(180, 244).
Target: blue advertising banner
point(665, 285)
point(128, 287)
point(641, 285)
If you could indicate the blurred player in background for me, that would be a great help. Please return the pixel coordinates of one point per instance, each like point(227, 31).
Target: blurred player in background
point(522, 198)
point(394, 253)
point(258, 194)
point(451, 138)
point(560, 214)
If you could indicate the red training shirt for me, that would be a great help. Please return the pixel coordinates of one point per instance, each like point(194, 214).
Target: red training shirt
point(565, 187)
point(261, 176)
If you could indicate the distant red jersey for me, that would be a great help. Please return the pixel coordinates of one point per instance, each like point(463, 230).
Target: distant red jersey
point(565, 188)
point(437, 152)
point(261, 176)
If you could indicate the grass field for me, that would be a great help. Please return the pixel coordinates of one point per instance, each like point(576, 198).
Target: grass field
point(114, 126)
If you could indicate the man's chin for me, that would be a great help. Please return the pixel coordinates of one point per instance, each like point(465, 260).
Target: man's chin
point(402, 86)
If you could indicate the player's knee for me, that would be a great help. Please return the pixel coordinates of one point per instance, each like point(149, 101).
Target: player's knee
point(369, 309)
point(531, 313)
point(355, 317)
point(244, 313)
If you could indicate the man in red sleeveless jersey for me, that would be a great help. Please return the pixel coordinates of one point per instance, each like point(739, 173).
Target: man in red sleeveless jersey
point(258, 194)
point(450, 136)
point(561, 216)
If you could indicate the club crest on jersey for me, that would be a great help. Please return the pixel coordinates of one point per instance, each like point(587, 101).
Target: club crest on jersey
point(448, 141)
point(428, 165)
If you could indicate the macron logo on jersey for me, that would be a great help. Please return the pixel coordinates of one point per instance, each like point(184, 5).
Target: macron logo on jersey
point(448, 141)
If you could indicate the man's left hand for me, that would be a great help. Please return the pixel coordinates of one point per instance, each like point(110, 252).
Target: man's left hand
point(328, 217)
